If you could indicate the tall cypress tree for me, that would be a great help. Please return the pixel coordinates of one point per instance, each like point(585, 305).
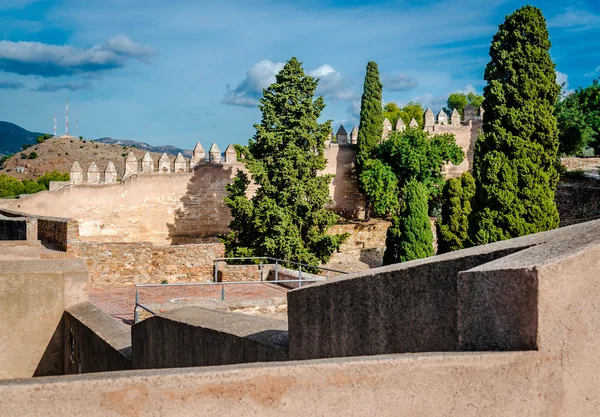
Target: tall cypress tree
point(515, 157)
point(409, 236)
point(370, 127)
point(453, 227)
point(286, 218)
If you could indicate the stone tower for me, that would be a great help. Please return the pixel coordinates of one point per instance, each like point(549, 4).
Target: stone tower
point(76, 173)
point(413, 123)
point(387, 129)
point(230, 154)
point(180, 163)
point(400, 126)
point(354, 135)
point(342, 136)
point(198, 155)
point(455, 118)
point(442, 118)
point(147, 163)
point(131, 165)
point(214, 154)
point(428, 120)
point(93, 174)
point(164, 164)
point(110, 173)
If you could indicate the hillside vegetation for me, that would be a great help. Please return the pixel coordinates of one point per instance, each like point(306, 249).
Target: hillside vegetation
point(13, 136)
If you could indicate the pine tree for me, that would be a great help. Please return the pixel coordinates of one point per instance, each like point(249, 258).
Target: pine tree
point(286, 218)
point(370, 127)
point(453, 227)
point(515, 157)
point(410, 237)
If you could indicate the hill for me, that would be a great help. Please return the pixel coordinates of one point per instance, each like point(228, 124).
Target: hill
point(171, 150)
point(13, 136)
point(59, 153)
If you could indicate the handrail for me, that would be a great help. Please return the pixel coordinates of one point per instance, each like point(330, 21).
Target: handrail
point(243, 258)
point(129, 177)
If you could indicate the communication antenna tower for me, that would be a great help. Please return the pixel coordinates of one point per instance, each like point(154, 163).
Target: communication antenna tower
point(55, 125)
point(67, 120)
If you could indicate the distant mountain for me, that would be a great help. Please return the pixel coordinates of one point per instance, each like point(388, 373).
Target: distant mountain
point(13, 136)
point(171, 150)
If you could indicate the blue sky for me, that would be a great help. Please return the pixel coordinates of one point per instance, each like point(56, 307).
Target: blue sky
point(181, 71)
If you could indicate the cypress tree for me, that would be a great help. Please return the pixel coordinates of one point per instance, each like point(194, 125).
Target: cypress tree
point(453, 227)
point(515, 157)
point(409, 237)
point(286, 218)
point(370, 127)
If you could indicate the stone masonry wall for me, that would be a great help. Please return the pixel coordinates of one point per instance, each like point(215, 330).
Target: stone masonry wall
point(142, 263)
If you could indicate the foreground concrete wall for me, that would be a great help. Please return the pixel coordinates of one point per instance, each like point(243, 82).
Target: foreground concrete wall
point(94, 341)
point(13, 250)
point(34, 295)
point(194, 336)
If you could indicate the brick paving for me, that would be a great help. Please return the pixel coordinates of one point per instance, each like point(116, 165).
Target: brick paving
point(119, 301)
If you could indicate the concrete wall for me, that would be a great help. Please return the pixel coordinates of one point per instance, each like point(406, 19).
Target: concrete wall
point(94, 341)
point(19, 250)
point(34, 295)
point(194, 336)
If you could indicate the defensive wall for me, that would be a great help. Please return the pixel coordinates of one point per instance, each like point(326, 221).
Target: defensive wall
point(503, 329)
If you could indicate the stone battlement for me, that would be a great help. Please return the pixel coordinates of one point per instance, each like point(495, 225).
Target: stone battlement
point(147, 165)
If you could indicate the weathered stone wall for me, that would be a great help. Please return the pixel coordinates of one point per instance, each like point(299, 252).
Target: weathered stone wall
point(343, 189)
point(578, 201)
point(466, 136)
point(143, 263)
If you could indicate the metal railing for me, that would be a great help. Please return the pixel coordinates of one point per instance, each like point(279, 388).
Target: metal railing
point(277, 263)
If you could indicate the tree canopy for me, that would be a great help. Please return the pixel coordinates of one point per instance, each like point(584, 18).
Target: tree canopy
point(453, 226)
point(371, 116)
point(415, 110)
point(516, 155)
point(10, 187)
point(459, 101)
point(286, 217)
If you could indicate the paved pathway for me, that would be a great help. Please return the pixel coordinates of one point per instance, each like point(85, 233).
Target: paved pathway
point(119, 301)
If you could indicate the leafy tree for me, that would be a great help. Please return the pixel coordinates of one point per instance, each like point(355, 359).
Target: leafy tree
point(286, 217)
point(415, 111)
point(45, 179)
point(39, 139)
point(453, 227)
point(380, 186)
point(370, 127)
point(409, 236)
point(239, 150)
point(392, 112)
point(515, 157)
point(414, 154)
point(459, 101)
point(574, 132)
point(32, 155)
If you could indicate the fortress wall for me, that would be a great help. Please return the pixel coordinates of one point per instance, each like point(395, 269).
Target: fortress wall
point(58, 231)
point(348, 201)
point(466, 136)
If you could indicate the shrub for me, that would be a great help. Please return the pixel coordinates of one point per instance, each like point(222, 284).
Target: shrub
point(33, 155)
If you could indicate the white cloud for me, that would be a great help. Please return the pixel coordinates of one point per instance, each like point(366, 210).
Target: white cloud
point(562, 79)
point(35, 58)
point(332, 85)
point(71, 86)
point(575, 18)
point(250, 89)
point(398, 82)
point(428, 100)
point(354, 109)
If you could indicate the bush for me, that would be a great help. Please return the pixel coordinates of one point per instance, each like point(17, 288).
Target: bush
point(23, 156)
point(33, 155)
point(39, 139)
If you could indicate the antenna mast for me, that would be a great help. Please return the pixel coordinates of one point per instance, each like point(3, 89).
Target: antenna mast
point(54, 125)
point(67, 120)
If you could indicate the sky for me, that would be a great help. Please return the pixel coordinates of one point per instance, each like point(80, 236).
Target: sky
point(181, 71)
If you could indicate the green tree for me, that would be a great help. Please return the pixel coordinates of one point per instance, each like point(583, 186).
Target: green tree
point(286, 217)
point(40, 139)
point(409, 236)
point(45, 179)
point(32, 155)
point(380, 186)
point(413, 110)
point(516, 156)
point(453, 227)
point(370, 127)
point(459, 101)
point(414, 154)
point(574, 132)
point(392, 112)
